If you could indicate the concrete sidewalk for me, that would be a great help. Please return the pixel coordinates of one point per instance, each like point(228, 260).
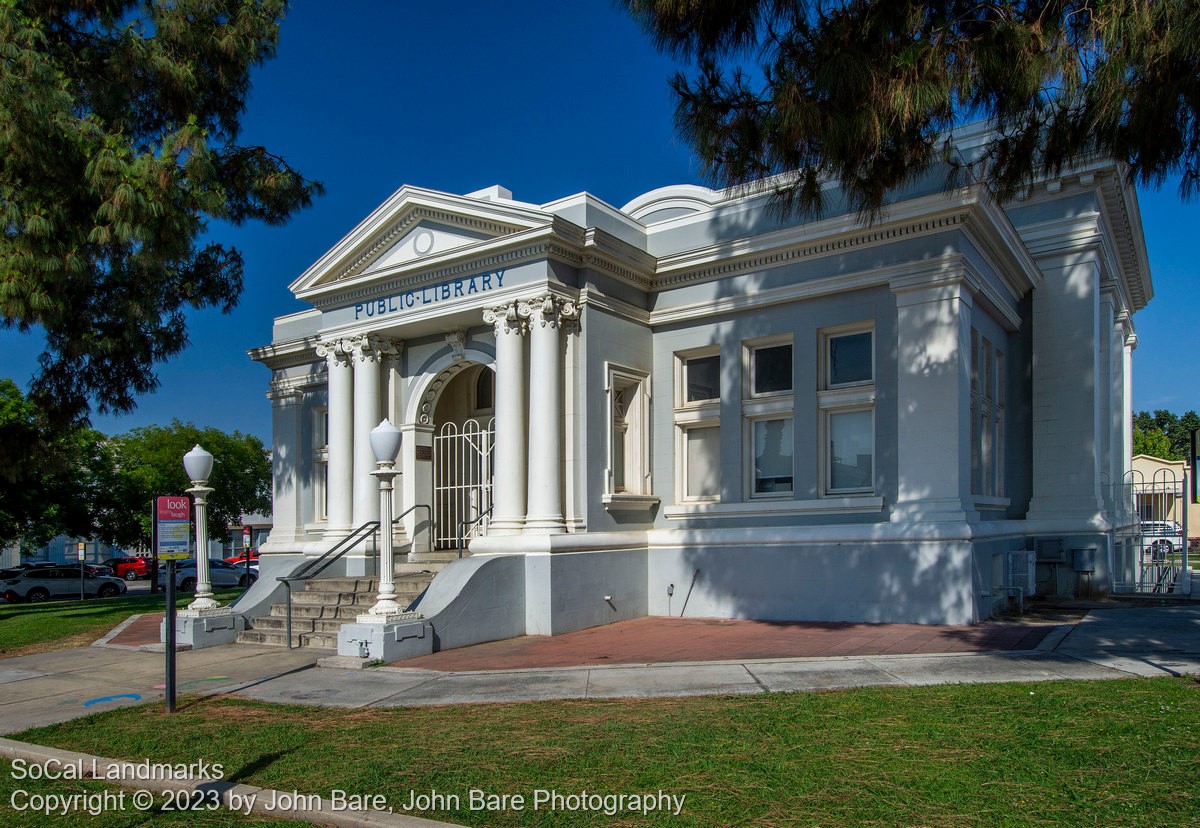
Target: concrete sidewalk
point(1106, 643)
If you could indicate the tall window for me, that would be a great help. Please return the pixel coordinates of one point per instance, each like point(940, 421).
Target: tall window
point(767, 408)
point(698, 424)
point(320, 442)
point(987, 417)
point(628, 432)
point(847, 403)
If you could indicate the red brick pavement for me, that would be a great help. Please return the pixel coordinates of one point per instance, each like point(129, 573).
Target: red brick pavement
point(658, 639)
point(145, 630)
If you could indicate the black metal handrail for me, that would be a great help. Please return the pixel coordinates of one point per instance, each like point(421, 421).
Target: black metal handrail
point(317, 566)
point(429, 530)
point(465, 524)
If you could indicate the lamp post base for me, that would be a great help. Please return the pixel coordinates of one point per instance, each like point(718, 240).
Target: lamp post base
point(389, 616)
point(386, 639)
point(196, 629)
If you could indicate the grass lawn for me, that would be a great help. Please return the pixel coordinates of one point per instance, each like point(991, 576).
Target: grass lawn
point(58, 625)
point(1050, 754)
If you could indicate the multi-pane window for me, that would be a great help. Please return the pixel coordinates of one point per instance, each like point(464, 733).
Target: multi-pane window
point(847, 403)
point(767, 408)
point(987, 417)
point(698, 425)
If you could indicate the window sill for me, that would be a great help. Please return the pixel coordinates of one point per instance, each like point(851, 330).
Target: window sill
point(761, 508)
point(627, 502)
point(991, 503)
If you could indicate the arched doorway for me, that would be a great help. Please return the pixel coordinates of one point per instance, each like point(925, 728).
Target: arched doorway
point(463, 443)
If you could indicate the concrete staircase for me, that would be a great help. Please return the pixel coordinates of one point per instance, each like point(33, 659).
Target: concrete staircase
point(325, 604)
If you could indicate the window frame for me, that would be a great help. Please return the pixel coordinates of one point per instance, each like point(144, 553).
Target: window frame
point(844, 398)
point(827, 450)
point(840, 331)
point(685, 432)
point(694, 414)
point(320, 459)
point(987, 390)
point(636, 433)
point(681, 375)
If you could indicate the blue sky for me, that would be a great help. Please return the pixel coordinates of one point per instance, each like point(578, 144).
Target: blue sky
point(545, 98)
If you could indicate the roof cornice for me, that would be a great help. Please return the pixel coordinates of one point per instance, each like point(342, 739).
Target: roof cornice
point(970, 209)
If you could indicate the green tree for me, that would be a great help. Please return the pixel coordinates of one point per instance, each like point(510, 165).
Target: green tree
point(1151, 442)
point(1164, 434)
point(49, 478)
point(863, 91)
point(119, 124)
point(148, 462)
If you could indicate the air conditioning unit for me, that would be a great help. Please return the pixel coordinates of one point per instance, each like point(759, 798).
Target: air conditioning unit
point(1022, 570)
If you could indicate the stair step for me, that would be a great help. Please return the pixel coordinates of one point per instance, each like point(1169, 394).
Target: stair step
point(316, 641)
point(274, 623)
point(325, 604)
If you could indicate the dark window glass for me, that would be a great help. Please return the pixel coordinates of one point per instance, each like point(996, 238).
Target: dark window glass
point(703, 378)
point(773, 369)
point(850, 358)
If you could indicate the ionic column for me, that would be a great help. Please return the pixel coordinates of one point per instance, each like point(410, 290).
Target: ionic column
point(337, 353)
point(508, 485)
point(368, 352)
point(546, 315)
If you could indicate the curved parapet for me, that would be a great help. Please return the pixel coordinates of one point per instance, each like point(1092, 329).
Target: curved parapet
point(476, 599)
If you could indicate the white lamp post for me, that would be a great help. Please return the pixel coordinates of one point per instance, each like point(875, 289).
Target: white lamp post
point(385, 443)
point(198, 463)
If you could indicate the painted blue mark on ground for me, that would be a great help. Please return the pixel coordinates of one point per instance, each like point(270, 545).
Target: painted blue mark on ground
point(103, 699)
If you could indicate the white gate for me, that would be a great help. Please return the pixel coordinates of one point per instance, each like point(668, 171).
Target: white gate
point(462, 479)
point(1153, 549)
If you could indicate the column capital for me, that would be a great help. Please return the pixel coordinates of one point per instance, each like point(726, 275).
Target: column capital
point(371, 348)
point(505, 319)
point(548, 311)
point(336, 350)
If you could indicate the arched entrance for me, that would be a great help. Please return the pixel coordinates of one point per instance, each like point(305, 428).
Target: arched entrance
point(463, 443)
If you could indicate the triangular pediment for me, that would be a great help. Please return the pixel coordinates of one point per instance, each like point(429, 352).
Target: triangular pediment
point(414, 229)
point(427, 238)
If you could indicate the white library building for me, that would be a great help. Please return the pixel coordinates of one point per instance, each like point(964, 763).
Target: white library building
point(696, 405)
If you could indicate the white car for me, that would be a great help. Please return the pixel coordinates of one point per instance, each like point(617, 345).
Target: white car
point(1161, 537)
point(221, 575)
point(45, 582)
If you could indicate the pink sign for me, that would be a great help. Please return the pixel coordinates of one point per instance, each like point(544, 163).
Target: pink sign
point(173, 508)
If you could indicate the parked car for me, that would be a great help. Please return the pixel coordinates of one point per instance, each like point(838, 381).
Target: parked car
point(241, 558)
point(1161, 537)
point(221, 575)
point(129, 568)
point(95, 569)
point(44, 583)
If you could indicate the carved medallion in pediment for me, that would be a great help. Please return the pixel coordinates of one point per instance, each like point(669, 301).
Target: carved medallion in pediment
point(423, 240)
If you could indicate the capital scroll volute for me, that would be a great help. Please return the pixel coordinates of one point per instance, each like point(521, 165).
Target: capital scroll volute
point(505, 319)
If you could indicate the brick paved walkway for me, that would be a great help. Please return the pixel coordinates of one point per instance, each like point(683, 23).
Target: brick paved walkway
point(658, 639)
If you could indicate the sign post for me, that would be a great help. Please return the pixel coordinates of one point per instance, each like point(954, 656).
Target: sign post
point(82, 554)
point(171, 518)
